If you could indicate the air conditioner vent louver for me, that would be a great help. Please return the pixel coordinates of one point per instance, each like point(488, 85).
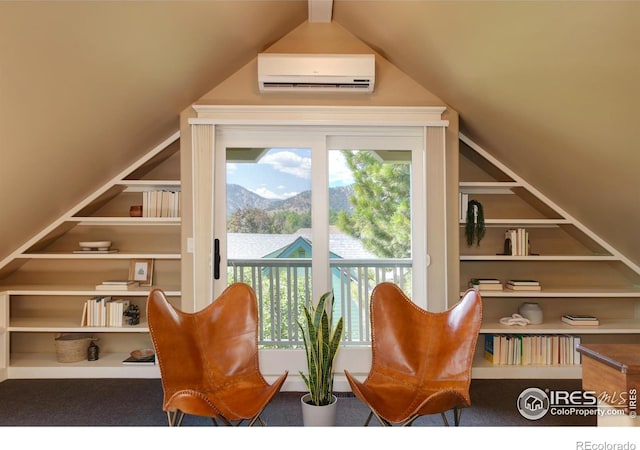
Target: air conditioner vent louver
point(278, 72)
point(359, 85)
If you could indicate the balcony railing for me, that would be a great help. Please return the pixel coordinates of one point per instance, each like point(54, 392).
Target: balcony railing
point(283, 285)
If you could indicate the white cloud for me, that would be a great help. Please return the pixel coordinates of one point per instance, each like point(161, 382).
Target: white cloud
point(339, 172)
point(267, 193)
point(289, 162)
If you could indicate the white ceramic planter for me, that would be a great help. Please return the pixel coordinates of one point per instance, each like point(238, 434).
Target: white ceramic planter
point(532, 312)
point(318, 416)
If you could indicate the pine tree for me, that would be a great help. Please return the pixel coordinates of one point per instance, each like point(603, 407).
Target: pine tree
point(382, 213)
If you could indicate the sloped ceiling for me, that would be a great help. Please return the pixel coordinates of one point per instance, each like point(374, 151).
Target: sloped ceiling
point(549, 88)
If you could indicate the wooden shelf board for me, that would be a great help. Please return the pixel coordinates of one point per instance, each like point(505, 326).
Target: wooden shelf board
point(149, 185)
point(488, 187)
point(128, 221)
point(607, 326)
point(119, 255)
point(45, 365)
point(484, 369)
point(48, 325)
point(53, 290)
point(608, 292)
point(531, 223)
point(538, 258)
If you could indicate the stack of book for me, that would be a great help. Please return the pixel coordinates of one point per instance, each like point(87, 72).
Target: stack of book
point(523, 285)
point(117, 285)
point(579, 320)
point(485, 284)
point(103, 312)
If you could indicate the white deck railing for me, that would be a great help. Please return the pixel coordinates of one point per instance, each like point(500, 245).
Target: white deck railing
point(283, 285)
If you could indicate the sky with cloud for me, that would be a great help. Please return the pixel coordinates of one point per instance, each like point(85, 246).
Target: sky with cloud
point(283, 173)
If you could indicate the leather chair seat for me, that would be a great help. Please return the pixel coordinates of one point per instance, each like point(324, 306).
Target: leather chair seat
point(209, 359)
point(421, 361)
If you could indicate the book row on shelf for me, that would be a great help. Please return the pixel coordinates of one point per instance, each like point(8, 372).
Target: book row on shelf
point(516, 242)
point(104, 312)
point(545, 349)
point(494, 284)
point(161, 203)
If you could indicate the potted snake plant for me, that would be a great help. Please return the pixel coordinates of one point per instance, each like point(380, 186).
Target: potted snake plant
point(321, 344)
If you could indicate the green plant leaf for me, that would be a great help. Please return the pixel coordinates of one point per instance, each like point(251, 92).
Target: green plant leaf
point(321, 345)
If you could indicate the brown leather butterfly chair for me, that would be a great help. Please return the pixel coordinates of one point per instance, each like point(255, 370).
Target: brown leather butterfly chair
point(421, 361)
point(209, 359)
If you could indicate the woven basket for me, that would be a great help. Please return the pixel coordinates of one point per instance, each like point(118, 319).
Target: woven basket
point(72, 347)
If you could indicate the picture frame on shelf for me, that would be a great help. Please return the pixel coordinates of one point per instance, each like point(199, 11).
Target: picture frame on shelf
point(141, 270)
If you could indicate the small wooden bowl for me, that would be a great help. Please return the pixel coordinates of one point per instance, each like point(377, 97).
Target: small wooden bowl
point(142, 353)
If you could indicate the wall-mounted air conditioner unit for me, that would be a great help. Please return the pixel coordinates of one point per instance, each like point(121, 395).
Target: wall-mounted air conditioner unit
point(290, 72)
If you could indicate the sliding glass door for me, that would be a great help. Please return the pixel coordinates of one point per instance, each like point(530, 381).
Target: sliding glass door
point(299, 211)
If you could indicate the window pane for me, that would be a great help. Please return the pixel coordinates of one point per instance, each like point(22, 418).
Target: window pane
point(268, 234)
point(370, 230)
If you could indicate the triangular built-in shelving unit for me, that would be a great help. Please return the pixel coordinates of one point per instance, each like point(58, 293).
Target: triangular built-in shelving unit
point(45, 283)
point(94, 210)
point(579, 272)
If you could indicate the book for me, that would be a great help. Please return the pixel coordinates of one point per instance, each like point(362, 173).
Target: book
point(487, 287)
point(464, 205)
point(150, 361)
point(120, 282)
point(580, 320)
point(489, 343)
point(486, 284)
point(514, 287)
point(117, 287)
point(524, 282)
point(485, 281)
point(83, 320)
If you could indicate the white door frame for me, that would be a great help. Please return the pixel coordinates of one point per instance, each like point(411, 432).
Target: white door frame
point(273, 362)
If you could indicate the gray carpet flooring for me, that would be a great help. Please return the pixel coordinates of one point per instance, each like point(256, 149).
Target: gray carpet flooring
point(138, 402)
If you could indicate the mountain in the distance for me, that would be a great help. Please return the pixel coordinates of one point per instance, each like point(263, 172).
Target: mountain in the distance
point(239, 197)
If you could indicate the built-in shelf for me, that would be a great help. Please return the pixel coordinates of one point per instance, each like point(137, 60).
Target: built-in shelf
point(97, 255)
point(128, 221)
point(54, 290)
point(538, 258)
point(488, 187)
point(48, 325)
point(586, 274)
point(45, 365)
point(577, 293)
point(32, 315)
point(484, 369)
point(607, 326)
point(149, 185)
point(531, 223)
